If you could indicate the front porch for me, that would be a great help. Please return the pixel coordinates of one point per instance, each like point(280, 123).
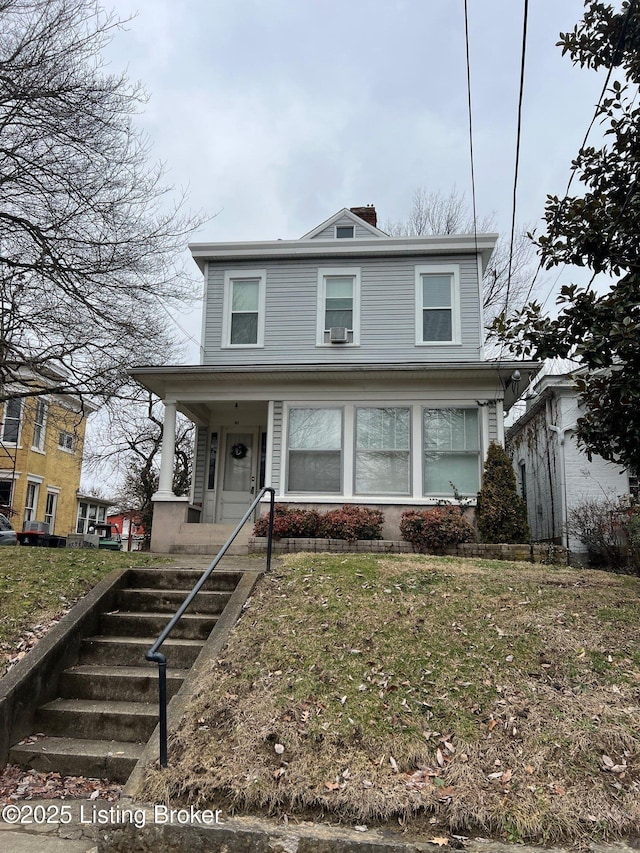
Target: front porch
point(176, 531)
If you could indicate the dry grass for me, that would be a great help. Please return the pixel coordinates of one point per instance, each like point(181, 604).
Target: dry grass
point(489, 696)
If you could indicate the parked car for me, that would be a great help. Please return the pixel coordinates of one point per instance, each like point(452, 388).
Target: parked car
point(8, 535)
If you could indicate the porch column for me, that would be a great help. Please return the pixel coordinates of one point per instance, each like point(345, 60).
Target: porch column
point(167, 454)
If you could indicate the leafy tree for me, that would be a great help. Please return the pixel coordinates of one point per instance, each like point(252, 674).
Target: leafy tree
point(88, 236)
point(501, 514)
point(598, 228)
point(437, 213)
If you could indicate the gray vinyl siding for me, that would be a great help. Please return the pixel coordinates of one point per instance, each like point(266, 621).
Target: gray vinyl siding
point(200, 464)
point(493, 422)
point(387, 314)
point(329, 233)
point(277, 444)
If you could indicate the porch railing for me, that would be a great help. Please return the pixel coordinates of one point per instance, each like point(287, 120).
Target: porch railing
point(155, 655)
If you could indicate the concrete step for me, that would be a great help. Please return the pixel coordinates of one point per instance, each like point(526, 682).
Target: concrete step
point(117, 683)
point(130, 651)
point(91, 719)
point(168, 601)
point(182, 578)
point(96, 759)
point(192, 626)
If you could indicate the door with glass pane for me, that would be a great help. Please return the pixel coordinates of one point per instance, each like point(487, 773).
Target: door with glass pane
point(238, 474)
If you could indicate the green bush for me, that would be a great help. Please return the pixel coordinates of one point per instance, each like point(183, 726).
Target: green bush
point(430, 531)
point(352, 522)
point(501, 514)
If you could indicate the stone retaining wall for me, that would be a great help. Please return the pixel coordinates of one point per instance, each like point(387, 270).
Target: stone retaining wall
point(543, 553)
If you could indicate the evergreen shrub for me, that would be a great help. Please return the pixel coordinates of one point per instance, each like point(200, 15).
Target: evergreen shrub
point(501, 514)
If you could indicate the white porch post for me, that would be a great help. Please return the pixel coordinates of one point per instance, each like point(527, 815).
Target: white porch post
point(167, 453)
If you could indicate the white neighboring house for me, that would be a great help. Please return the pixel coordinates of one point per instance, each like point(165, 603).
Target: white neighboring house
point(552, 472)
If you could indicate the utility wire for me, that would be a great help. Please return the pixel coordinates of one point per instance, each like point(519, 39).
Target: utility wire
point(525, 20)
point(574, 167)
point(473, 177)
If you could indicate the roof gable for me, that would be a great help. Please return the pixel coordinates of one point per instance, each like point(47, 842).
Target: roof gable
point(344, 217)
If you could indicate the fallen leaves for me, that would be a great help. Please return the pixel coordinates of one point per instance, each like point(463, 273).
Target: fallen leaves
point(17, 784)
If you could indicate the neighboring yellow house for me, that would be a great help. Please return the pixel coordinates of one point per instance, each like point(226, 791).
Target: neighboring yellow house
point(41, 444)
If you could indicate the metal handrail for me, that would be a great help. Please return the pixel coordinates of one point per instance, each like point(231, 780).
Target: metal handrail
point(155, 656)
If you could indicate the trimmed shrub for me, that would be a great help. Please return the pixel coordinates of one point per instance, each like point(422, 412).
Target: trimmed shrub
point(430, 531)
point(289, 523)
point(352, 522)
point(501, 514)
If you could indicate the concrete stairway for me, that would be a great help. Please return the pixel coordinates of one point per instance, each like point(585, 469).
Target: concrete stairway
point(107, 704)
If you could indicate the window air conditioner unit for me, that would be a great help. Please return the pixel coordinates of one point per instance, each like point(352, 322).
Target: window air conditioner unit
point(338, 335)
point(36, 527)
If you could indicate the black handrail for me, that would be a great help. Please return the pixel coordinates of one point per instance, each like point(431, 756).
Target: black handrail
point(155, 656)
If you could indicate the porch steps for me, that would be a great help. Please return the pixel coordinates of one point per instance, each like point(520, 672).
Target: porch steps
point(209, 538)
point(107, 704)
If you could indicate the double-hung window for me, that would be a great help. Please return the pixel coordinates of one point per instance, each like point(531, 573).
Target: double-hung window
point(67, 441)
point(315, 450)
point(39, 421)
point(11, 424)
point(244, 308)
point(338, 306)
point(31, 501)
point(50, 509)
point(437, 305)
point(451, 447)
point(382, 464)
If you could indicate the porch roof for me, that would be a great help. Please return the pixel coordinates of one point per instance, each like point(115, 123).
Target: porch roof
point(172, 380)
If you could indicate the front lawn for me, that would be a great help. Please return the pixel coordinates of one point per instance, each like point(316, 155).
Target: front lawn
point(39, 585)
point(473, 695)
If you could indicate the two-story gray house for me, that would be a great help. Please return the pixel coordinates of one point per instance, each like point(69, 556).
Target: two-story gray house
point(346, 366)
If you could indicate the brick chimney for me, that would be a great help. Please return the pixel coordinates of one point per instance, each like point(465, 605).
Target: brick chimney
point(367, 213)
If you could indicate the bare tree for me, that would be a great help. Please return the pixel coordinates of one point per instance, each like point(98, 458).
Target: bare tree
point(89, 238)
point(127, 450)
point(436, 213)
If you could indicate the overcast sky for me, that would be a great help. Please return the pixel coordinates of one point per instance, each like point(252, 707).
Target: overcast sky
point(276, 113)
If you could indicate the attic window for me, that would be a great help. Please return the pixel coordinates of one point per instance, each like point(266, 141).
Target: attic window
point(344, 232)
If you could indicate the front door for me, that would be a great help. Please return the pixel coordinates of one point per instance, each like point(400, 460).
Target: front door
point(238, 474)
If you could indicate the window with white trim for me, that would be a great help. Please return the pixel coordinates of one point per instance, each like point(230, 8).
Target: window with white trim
point(31, 501)
point(451, 451)
point(11, 423)
point(383, 442)
point(437, 301)
point(345, 232)
point(39, 422)
point(315, 450)
point(67, 441)
point(50, 509)
point(244, 308)
point(88, 515)
point(338, 306)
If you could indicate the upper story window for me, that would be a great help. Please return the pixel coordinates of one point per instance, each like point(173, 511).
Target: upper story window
point(11, 424)
point(338, 306)
point(437, 305)
point(39, 421)
point(345, 232)
point(67, 441)
point(244, 307)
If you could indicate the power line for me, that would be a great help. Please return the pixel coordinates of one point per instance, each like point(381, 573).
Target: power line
point(525, 19)
point(574, 167)
point(473, 177)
